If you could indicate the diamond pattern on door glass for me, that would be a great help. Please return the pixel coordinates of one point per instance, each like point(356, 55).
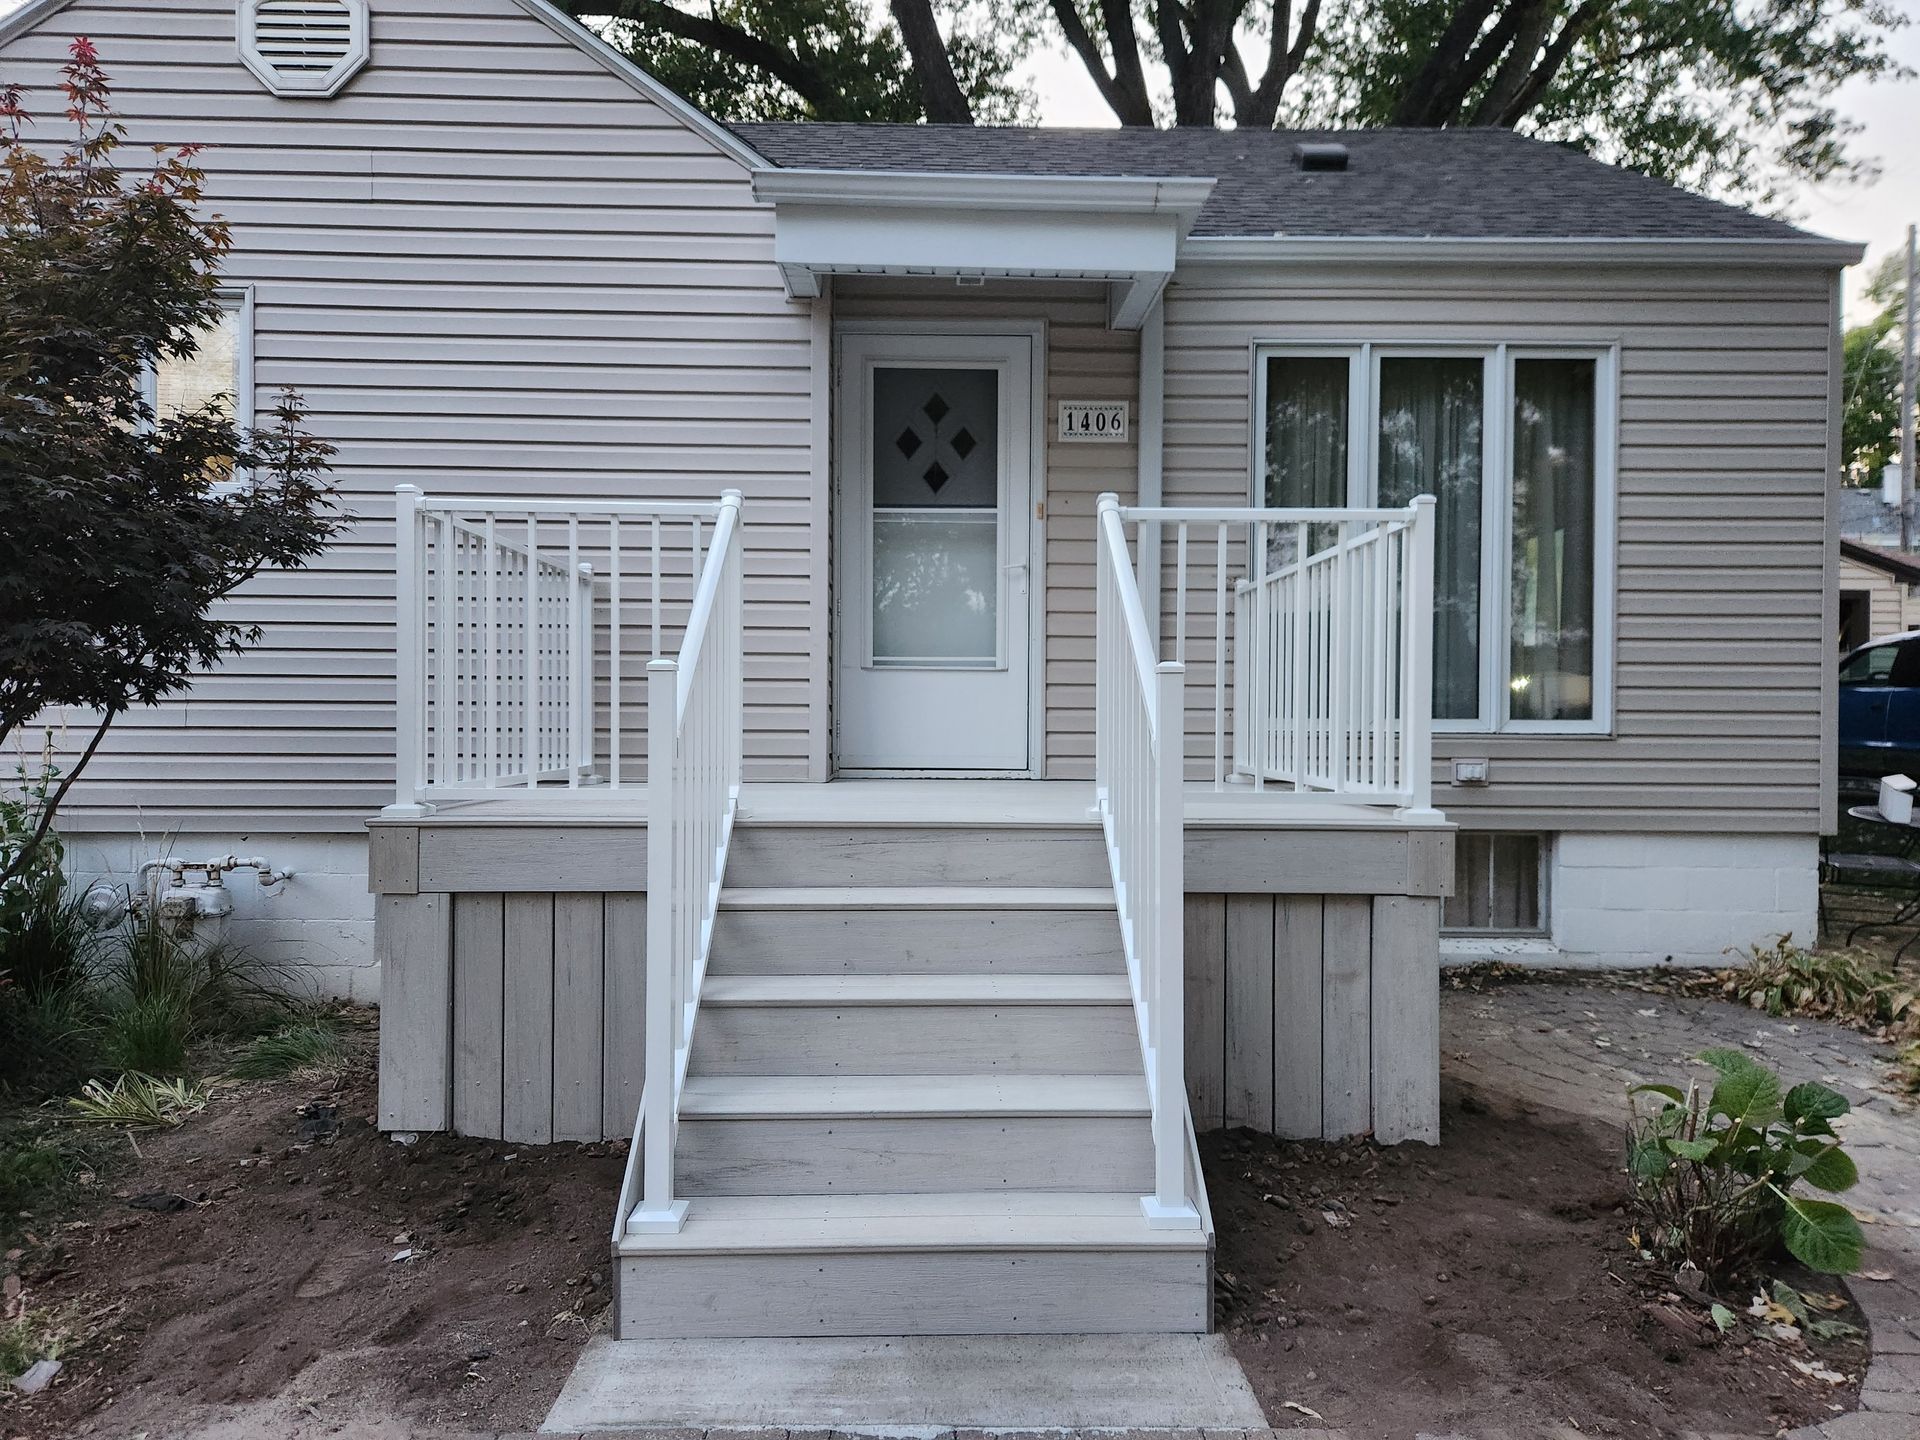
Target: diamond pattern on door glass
point(936, 476)
point(936, 408)
point(963, 442)
point(907, 443)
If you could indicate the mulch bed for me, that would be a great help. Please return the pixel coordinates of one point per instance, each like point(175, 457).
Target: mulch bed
point(275, 1273)
point(1487, 1282)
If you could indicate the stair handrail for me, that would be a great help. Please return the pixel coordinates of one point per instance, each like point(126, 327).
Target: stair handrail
point(694, 741)
point(1139, 758)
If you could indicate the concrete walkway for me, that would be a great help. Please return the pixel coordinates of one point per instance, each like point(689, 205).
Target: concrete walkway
point(917, 1385)
point(1576, 1048)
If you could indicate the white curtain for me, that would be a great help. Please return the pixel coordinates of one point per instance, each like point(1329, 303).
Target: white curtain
point(1431, 412)
point(1553, 542)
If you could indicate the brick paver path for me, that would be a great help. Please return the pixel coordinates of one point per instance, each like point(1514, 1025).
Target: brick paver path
point(1576, 1048)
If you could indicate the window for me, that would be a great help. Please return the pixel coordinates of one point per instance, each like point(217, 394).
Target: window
point(1498, 884)
point(1894, 664)
point(1515, 445)
point(220, 370)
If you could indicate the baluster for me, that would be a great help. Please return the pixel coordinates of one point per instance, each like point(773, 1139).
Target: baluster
point(1220, 656)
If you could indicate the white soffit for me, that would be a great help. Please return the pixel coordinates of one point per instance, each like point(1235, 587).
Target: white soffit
point(1125, 230)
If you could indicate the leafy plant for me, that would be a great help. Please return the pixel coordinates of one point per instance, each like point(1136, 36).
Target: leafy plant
point(141, 1101)
point(1715, 1173)
point(313, 1044)
point(164, 992)
point(1844, 985)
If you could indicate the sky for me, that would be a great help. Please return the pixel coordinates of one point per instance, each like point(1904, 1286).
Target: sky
point(1877, 214)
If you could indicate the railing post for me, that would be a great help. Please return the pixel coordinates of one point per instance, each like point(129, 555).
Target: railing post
point(409, 711)
point(659, 1211)
point(1416, 699)
point(735, 632)
point(1169, 1208)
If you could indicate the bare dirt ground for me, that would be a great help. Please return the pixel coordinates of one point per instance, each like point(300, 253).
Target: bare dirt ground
point(273, 1302)
point(1483, 1283)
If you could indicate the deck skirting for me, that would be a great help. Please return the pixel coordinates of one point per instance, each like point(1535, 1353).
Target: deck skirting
point(513, 964)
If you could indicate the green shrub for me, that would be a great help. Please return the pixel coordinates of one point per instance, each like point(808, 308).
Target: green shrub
point(312, 1044)
point(150, 1033)
point(1714, 1173)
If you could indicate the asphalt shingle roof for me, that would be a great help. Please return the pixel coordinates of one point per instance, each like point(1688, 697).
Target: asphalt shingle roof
point(1452, 184)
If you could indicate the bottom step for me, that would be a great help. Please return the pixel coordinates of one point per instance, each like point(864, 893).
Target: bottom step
point(1019, 1263)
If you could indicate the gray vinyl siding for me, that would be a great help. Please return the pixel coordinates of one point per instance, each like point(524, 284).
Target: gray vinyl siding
point(1723, 552)
point(492, 266)
point(1085, 361)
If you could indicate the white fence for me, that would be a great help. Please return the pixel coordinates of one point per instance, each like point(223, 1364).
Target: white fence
point(522, 624)
point(1139, 765)
point(1314, 640)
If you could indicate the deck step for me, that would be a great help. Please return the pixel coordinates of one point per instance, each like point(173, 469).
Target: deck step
point(924, 1024)
point(721, 991)
point(936, 1264)
point(828, 1097)
point(781, 855)
point(812, 1134)
point(834, 898)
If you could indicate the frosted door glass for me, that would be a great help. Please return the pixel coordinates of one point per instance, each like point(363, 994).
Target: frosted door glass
point(936, 589)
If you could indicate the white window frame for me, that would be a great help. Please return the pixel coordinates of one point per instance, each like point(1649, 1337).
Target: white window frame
point(236, 300)
point(1496, 495)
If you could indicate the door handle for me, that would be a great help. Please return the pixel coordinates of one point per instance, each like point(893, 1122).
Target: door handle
point(1018, 574)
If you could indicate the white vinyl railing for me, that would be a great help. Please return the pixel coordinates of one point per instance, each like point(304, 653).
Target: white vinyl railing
point(1317, 633)
point(693, 789)
point(522, 627)
point(1139, 762)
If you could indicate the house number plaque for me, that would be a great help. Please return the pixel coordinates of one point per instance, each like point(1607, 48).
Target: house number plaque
point(1093, 421)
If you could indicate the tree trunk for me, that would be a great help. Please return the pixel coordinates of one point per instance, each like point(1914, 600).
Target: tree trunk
point(940, 92)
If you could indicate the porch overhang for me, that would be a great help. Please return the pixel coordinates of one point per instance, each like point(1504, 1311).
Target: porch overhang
point(1121, 229)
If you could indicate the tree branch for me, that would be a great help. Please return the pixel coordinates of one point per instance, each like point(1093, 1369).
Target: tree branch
point(945, 102)
point(1127, 101)
point(1529, 95)
point(1533, 20)
point(783, 65)
point(24, 855)
point(1128, 72)
point(1283, 63)
point(1449, 53)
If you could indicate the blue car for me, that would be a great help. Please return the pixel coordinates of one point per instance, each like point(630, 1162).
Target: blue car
point(1880, 711)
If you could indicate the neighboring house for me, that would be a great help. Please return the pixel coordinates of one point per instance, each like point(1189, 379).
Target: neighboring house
point(1876, 593)
point(953, 1003)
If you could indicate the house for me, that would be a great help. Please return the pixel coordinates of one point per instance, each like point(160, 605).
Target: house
point(1876, 593)
point(910, 668)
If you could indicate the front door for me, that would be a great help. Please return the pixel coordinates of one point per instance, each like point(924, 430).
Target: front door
point(934, 490)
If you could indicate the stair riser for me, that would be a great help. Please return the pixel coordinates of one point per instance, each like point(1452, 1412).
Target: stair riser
point(916, 942)
point(916, 1040)
point(919, 1155)
point(776, 856)
point(949, 1292)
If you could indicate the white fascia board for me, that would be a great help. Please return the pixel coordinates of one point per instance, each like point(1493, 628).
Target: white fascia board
point(1179, 197)
point(972, 242)
point(1572, 250)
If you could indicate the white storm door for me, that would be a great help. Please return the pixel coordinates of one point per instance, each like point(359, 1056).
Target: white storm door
point(935, 487)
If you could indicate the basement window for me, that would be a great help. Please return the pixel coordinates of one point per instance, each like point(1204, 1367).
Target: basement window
point(1499, 885)
point(303, 49)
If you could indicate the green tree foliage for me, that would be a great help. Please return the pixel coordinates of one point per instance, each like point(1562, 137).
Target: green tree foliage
point(1870, 419)
point(1729, 96)
point(825, 59)
point(120, 530)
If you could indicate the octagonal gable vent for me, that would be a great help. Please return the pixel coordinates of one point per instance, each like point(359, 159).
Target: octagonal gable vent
point(303, 48)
